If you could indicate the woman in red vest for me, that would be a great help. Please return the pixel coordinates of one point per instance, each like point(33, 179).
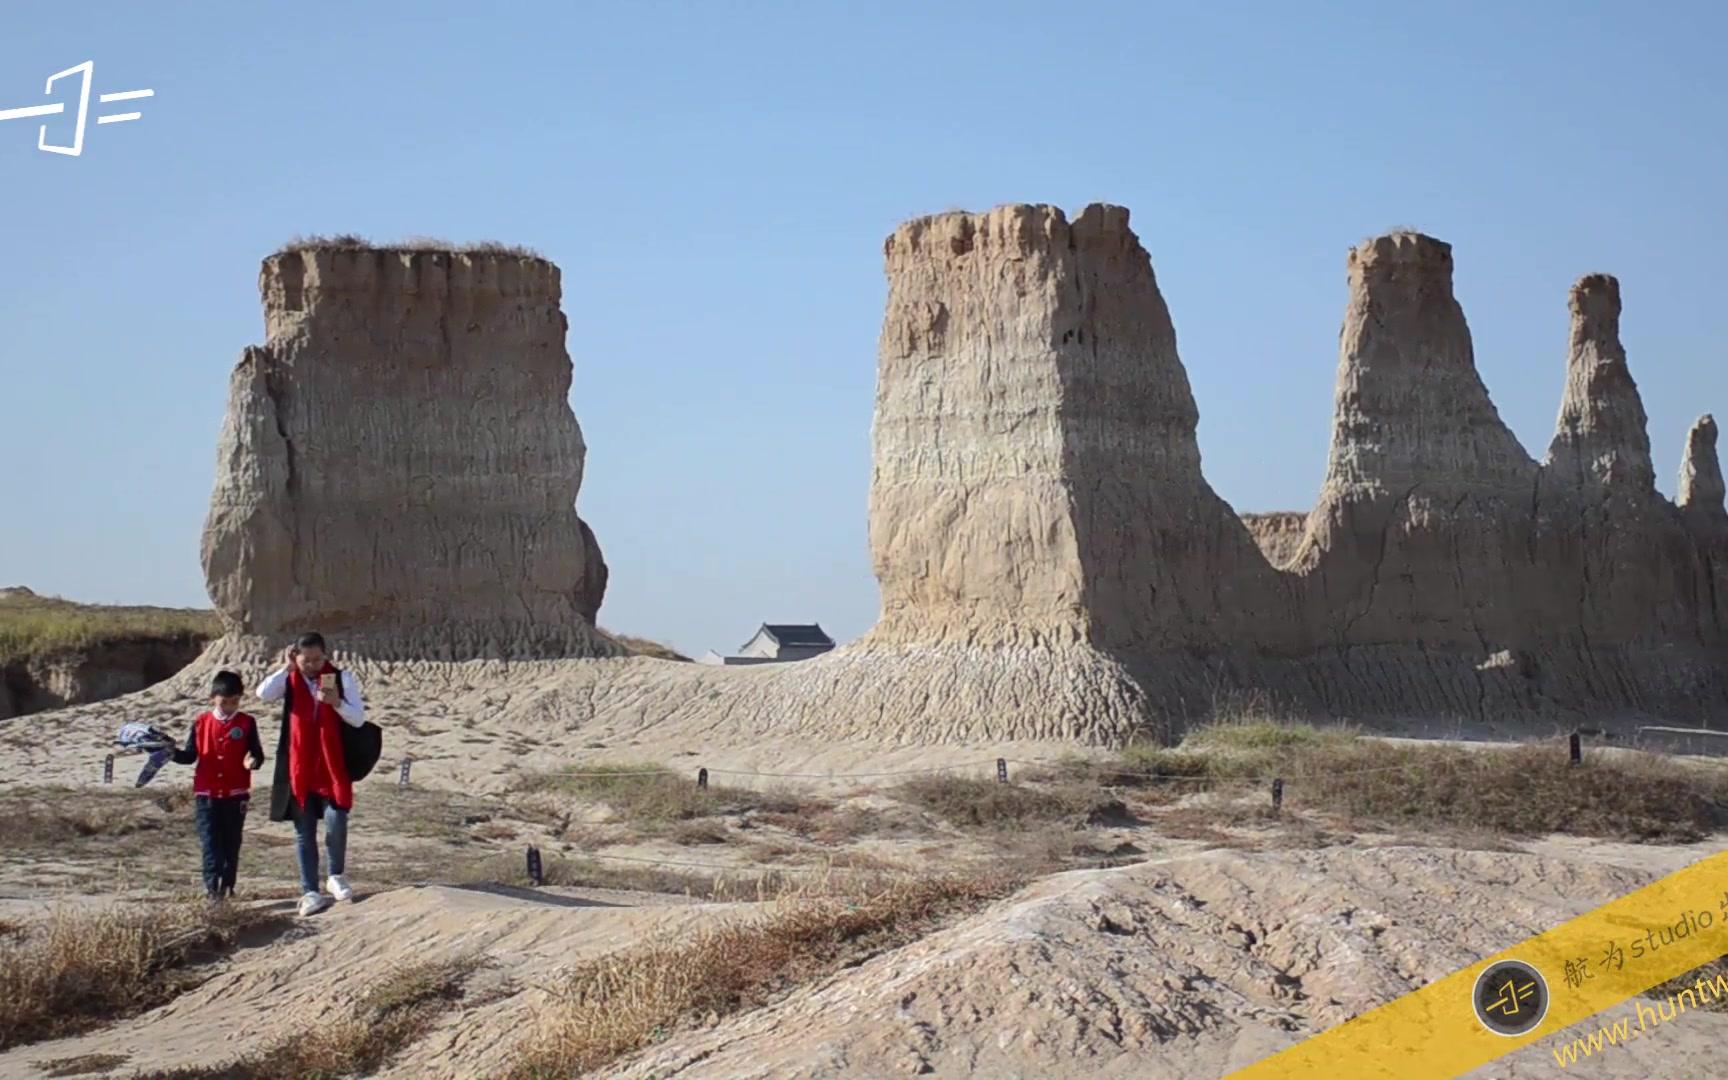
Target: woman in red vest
point(312, 782)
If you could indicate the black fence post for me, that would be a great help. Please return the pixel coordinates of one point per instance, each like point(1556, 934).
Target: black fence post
point(702, 779)
point(1001, 770)
point(536, 873)
point(1278, 793)
point(1575, 748)
point(108, 769)
point(402, 776)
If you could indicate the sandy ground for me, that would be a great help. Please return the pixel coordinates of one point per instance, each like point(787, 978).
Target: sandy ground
point(313, 973)
point(1185, 966)
point(1182, 945)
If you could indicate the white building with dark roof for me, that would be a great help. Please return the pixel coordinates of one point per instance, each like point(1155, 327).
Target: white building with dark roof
point(777, 643)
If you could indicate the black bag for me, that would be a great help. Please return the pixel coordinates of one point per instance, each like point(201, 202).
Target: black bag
point(361, 748)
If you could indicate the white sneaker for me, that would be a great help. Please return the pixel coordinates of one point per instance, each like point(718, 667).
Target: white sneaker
point(313, 902)
point(339, 887)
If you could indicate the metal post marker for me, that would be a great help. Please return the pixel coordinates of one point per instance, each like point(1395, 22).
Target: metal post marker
point(108, 769)
point(702, 779)
point(535, 873)
point(402, 777)
point(1001, 770)
point(1575, 749)
point(1277, 793)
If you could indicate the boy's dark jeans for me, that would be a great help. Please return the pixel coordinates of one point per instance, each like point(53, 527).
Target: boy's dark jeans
point(220, 822)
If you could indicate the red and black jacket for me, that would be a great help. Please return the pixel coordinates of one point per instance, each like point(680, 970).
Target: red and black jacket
point(219, 748)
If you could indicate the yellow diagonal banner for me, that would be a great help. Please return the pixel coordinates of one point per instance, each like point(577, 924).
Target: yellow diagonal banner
point(1532, 990)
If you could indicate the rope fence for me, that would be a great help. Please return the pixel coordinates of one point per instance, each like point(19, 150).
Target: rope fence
point(1575, 752)
point(727, 868)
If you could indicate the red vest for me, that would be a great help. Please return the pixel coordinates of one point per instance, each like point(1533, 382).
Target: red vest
point(221, 771)
point(316, 765)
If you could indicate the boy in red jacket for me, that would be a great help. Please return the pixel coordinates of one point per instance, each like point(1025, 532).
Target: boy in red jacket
point(224, 744)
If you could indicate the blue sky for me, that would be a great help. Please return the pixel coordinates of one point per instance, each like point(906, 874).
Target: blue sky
point(715, 181)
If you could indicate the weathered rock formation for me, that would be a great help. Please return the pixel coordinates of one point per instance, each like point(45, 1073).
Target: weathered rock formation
point(1446, 572)
point(1053, 564)
point(1037, 476)
point(399, 463)
point(1600, 438)
point(1426, 491)
point(1039, 522)
point(1038, 481)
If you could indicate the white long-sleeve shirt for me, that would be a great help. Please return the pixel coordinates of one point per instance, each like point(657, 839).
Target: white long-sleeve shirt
point(352, 708)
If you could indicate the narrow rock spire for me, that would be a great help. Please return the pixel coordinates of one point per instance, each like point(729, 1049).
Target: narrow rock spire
point(1701, 488)
point(1409, 407)
point(1600, 436)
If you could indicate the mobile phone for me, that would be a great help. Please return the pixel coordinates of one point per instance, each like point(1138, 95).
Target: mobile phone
point(327, 681)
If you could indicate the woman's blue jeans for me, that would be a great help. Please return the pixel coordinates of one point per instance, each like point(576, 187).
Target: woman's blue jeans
point(318, 808)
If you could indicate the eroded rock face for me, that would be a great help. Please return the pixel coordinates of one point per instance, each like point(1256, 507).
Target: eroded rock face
point(98, 672)
point(399, 464)
point(1423, 515)
point(1278, 533)
point(1037, 476)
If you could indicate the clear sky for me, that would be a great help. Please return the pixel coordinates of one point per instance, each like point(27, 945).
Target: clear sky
point(716, 180)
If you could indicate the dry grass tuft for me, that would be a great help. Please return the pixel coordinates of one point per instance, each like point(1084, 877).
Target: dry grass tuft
point(648, 795)
point(614, 1005)
point(643, 646)
point(827, 824)
point(32, 625)
point(1714, 975)
point(699, 832)
point(51, 817)
point(82, 1064)
point(414, 244)
point(83, 966)
point(746, 883)
point(971, 803)
point(393, 1014)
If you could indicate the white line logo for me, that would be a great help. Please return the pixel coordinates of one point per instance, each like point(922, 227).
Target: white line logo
point(77, 145)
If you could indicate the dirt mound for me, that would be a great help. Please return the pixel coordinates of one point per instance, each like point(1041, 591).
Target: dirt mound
point(1190, 967)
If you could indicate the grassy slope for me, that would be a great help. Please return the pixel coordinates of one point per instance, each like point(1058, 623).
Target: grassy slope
point(32, 625)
